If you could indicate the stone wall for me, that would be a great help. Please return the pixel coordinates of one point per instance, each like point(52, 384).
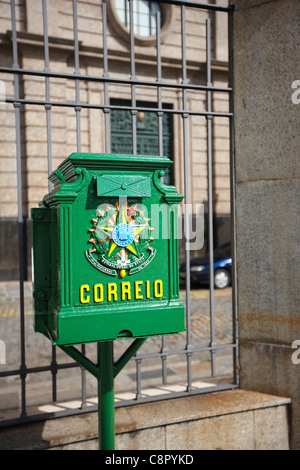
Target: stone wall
point(231, 420)
point(266, 41)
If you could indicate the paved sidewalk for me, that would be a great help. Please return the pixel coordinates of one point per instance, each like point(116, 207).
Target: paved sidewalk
point(38, 352)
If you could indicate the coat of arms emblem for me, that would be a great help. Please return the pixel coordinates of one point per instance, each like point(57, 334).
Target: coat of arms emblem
point(121, 239)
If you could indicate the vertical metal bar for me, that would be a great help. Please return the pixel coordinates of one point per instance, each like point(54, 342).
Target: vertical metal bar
point(106, 405)
point(159, 92)
point(54, 373)
point(47, 86)
point(77, 72)
point(210, 199)
point(150, 18)
point(78, 136)
point(126, 12)
point(17, 107)
point(232, 204)
point(138, 375)
point(185, 116)
point(49, 153)
point(105, 75)
point(133, 77)
point(83, 381)
point(160, 152)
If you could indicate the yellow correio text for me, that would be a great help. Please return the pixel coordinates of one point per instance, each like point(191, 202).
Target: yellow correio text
point(139, 290)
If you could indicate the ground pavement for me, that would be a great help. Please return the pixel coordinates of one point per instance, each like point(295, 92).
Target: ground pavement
point(38, 352)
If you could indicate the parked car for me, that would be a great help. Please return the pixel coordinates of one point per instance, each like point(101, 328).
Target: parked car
point(199, 268)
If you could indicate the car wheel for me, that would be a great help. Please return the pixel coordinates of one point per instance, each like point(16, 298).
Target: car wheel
point(222, 278)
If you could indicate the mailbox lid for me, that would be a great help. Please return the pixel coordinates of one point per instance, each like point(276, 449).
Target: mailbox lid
point(98, 162)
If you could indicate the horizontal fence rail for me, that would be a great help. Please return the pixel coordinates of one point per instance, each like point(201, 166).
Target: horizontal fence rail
point(158, 84)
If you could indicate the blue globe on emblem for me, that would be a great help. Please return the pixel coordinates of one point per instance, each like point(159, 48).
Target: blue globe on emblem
point(123, 235)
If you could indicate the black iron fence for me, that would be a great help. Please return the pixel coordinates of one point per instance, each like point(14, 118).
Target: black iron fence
point(188, 348)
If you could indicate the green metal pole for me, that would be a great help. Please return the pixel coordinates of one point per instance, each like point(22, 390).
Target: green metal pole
point(106, 402)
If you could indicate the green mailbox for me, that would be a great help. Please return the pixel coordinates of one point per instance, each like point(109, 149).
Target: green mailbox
point(105, 244)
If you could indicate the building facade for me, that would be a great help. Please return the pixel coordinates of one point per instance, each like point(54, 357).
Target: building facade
point(61, 115)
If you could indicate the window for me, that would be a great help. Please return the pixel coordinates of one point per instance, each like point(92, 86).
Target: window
point(147, 132)
point(144, 16)
point(144, 20)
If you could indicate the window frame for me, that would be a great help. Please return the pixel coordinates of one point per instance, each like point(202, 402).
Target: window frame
point(123, 31)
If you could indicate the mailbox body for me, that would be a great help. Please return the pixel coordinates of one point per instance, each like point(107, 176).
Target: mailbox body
point(105, 251)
